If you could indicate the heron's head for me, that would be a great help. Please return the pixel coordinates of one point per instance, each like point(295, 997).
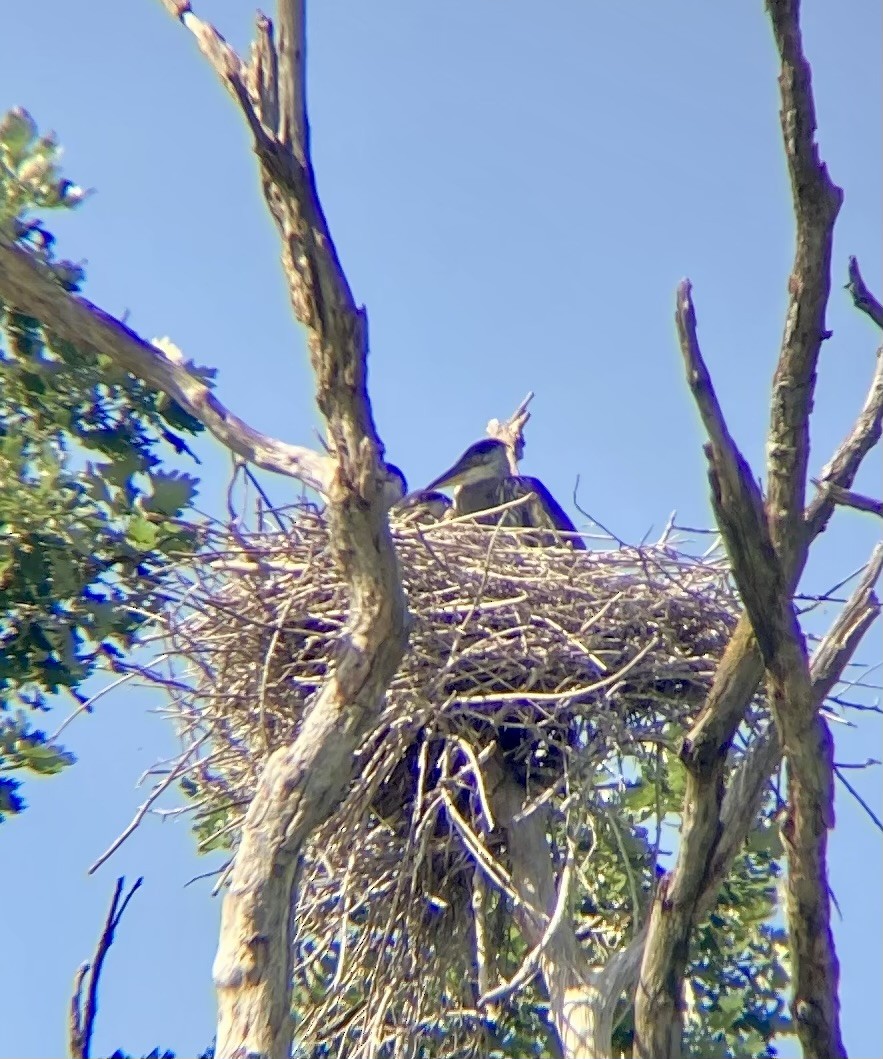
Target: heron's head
point(423, 505)
point(483, 461)
point(395, 485)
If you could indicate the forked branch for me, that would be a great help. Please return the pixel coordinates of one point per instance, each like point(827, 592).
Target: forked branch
point(795, 700)
point(84, 1009)
point(706, 848)
point(840, 471)
point(848, 498)
point(303, 782)
point(768, 546)
point(736, 497)
point(30, 287)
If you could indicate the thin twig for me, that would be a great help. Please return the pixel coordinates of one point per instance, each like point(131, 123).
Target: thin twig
point(842, 468)
point(82, 1017)
point(847, 498)
point(862, 298)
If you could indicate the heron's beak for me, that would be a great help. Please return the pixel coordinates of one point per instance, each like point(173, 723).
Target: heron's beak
point(453, 476)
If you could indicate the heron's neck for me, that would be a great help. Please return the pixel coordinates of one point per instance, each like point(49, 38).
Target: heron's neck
point(476, 496)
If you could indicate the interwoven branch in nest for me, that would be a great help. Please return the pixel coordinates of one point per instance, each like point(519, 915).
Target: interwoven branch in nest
point(549, 661)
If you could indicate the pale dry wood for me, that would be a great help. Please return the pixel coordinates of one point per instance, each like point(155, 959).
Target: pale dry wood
point(848, 498)
point(816, 202)
point(806, 738)
point(766, 577)
point(744, 794)
point(583, 1000)
point(862, 297)
point(583, 1026)
point(218, 50)
point(771, 619)
point(830, 659)
point(302, 782)
point(736, 497)
point(28, 285)
point(808, 745)
point(740, 677)
point(840, 471)
point(649, 620)
point(84, 1010)
point(676, 909)
point(719, 828)
point(705, 749)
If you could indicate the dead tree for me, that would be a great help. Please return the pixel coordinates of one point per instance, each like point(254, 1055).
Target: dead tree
point(303, 781)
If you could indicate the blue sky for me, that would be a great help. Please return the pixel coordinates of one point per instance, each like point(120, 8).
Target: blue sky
point(515, 194)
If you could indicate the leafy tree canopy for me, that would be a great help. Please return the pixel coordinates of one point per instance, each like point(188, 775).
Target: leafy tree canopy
point(738, 973)
point(89, 517)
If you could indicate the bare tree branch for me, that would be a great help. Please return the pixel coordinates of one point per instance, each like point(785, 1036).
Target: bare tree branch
point(767, 596)
point(28, 285)
point(839, 644)
point(582, 1020)
point(816, 971)
point(843, 466)
point(744, 794)
point(742, 801)
point(294, 129)
point(816, 205)
point(81, 1024)
point(869, 812)
point(676, 910)
point(862, 298)
point(766, 577)
point(704, 750)
point(847, 498)
point(736, 497)
point(159, 788)
point(805, 735)
point(743, 798)
point(303, 782)
point(76, 1030)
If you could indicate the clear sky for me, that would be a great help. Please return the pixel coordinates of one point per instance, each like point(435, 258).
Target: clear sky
point(515, 190)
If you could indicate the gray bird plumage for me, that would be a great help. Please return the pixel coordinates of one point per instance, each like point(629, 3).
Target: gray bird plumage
point(395, 485)
point(482, 479)
point(425, 505)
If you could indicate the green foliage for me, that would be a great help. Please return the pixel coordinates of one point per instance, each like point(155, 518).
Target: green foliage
point(29, 173)
point(737, 977)
point(738, 972)
point(89, 519)
point(212, 826)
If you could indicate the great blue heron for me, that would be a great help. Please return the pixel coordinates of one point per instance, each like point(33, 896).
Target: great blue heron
point(395, 485)
point(482, 479)
point(426, 505)
point(423, 506)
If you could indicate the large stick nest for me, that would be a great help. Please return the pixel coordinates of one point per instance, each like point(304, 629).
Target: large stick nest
point(544, 664)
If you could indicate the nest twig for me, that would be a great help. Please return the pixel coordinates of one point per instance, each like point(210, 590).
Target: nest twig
point(552, 663)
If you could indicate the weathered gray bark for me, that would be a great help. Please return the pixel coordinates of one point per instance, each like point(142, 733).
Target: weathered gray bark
point(584, 998)
point(303, 783)
point(583, 1025)
point(27, 284)
point(768, 542)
